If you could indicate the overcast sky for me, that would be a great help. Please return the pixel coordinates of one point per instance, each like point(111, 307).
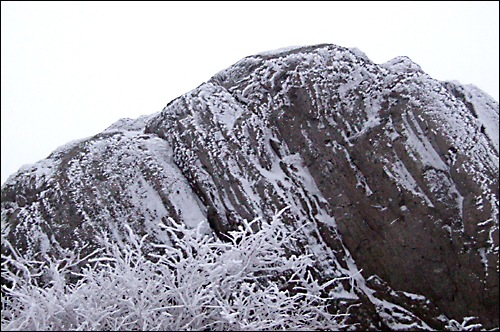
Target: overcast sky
point(71, 69)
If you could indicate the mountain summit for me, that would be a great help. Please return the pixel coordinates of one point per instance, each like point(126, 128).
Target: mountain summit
point(384, 170)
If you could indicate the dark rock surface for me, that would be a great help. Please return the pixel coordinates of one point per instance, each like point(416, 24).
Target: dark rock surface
point(390, 171)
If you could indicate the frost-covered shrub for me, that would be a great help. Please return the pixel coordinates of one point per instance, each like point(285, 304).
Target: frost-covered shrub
point(195, 283)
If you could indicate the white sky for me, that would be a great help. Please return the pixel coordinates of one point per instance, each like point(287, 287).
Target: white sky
point(71, 69)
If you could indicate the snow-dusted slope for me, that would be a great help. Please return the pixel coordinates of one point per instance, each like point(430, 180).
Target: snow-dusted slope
point(384, 168)
point(119, 176)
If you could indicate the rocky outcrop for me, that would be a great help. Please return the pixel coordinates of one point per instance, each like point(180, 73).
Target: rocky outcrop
point(386, 170)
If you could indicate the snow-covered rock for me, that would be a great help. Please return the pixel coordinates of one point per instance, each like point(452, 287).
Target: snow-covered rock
point(386, 170)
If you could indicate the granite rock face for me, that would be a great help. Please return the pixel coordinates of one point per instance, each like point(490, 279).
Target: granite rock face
point(387, 170)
